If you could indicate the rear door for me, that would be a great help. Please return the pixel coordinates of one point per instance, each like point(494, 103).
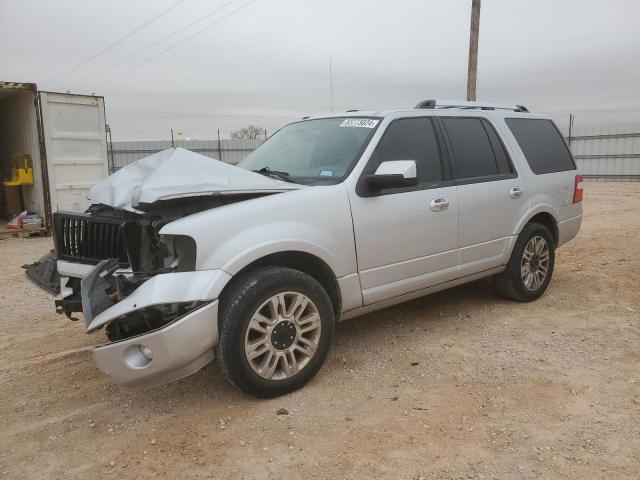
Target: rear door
point(76, 147)
point(492, 196)
point(404, 241)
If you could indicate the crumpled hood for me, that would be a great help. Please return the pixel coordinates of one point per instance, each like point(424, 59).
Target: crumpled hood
point(176, 173)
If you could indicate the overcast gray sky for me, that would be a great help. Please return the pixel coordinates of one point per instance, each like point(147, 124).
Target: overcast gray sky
point(266, 62)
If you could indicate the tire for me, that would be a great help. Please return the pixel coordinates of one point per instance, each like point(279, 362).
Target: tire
point(516, 282)
point(258, 320)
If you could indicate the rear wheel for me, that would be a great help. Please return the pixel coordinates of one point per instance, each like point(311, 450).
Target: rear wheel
point(530, 267)
point(276, 327)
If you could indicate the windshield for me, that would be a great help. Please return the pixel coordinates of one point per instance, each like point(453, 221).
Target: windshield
point(313, 151)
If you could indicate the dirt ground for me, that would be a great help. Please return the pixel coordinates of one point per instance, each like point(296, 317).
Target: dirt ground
point(459, 384)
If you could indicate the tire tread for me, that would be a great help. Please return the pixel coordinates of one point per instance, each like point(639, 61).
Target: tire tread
point(508, 284)
point(242, 292)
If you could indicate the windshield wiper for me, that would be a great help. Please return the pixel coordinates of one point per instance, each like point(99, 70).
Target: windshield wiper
point(274, 173)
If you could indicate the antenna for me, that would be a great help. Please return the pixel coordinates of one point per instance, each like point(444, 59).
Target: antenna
point(330, 83)
point(572, 119)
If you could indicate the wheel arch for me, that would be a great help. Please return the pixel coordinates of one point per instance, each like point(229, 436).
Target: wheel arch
point(544, 217)
point(302, 261)
point(547, 220)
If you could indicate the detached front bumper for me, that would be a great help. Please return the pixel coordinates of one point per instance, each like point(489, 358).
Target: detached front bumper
point(173, 352)
point(161, 289)
point(169, 348)
point(165, 350)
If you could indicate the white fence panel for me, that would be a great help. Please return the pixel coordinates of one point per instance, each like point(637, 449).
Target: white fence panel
point(227, 150)
point(608, 152)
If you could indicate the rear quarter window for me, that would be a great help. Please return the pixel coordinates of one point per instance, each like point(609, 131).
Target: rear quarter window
point(542, 145)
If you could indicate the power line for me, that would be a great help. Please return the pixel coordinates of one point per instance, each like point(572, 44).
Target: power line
point(117, 42)
point(198, 20)
point(186, 39)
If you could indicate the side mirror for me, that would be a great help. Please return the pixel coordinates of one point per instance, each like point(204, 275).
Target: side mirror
point(394, 174)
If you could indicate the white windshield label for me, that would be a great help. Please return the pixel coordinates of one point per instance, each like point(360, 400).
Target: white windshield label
point(359, 122)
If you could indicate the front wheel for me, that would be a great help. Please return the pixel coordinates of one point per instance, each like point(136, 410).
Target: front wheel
point(530, 267)
point(276, 327)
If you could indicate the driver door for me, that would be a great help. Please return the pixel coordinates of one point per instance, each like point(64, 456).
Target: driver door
point(406, 238)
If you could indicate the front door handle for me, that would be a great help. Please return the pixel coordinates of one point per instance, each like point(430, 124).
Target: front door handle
point(516, 192)
point(439, 204)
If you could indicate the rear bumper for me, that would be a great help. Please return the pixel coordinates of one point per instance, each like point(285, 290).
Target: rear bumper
point(178, 350)
point(568, 229)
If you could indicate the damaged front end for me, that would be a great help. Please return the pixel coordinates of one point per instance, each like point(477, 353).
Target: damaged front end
point(161, 326)
point(102, 288)
point(44, 273)
point(158, 312)
point(105, 254)
point(112, 264)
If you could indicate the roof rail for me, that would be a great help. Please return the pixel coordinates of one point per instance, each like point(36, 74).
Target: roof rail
point(441, 104)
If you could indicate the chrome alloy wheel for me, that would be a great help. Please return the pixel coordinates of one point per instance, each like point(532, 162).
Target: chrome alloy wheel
point(534, 266)
point(282, 335)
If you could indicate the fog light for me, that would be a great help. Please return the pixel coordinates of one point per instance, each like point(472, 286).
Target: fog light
point(138, 356)
point(146, 352)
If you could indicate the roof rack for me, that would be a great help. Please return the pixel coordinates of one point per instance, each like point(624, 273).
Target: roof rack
point(443, 104)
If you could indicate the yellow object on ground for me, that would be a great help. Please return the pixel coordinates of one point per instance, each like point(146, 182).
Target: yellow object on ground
point(21, 172)
point(20, 176)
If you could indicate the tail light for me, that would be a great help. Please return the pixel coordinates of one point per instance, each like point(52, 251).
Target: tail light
point(577, 190)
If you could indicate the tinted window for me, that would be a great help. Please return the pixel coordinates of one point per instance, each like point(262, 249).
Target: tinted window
point(477, 150)
point(502, 159)
point(412, 139)
point(542, 144)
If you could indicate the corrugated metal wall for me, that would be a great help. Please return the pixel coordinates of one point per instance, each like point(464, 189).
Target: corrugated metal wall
point(607, 153)
point(229, 151)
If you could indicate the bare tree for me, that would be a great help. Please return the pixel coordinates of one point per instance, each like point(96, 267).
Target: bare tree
point(249, 133)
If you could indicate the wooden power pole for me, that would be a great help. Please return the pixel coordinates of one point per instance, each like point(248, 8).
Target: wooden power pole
point(472, 74)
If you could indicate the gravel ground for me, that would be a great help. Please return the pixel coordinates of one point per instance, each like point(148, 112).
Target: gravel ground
point(456, 385)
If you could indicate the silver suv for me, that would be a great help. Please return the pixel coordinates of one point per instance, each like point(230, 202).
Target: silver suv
point(181, 258)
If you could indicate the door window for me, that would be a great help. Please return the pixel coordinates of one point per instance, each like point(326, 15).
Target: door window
point(411, 139)
point(477, 150)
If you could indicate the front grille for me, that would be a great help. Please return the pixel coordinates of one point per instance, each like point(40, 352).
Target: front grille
point(81, 237)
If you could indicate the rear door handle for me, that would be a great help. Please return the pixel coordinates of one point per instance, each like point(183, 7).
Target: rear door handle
point(516, 192)
point(439, 204)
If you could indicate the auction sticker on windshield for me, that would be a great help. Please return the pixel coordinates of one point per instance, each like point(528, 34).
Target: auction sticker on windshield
point(359, 122)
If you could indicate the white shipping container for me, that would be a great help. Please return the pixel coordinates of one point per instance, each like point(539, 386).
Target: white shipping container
point(65, 136)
